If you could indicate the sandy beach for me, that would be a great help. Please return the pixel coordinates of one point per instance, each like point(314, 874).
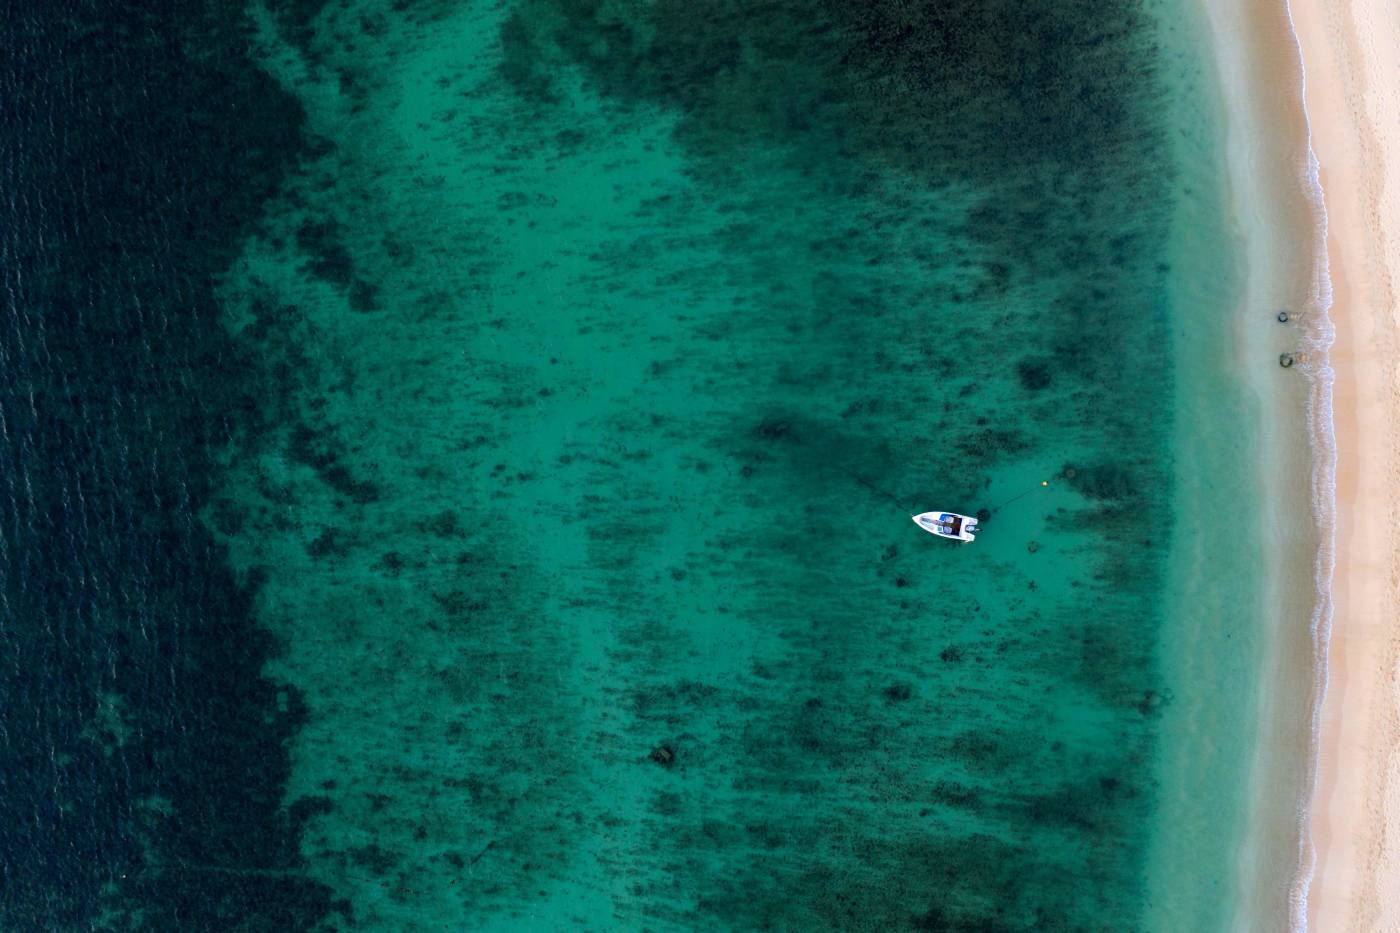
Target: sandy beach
point(1352, 89)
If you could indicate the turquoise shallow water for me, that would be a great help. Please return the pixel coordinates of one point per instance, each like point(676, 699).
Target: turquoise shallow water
point(589, 364)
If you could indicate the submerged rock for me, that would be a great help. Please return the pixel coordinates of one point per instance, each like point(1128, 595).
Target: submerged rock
point(897, 693)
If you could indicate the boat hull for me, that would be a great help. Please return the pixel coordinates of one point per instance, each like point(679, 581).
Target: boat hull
point(949, 525)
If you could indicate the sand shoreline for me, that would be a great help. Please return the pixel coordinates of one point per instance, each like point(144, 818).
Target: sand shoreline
point(1277, 223)
point(1353, 86)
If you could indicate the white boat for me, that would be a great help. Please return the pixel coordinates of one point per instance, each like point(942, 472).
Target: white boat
point(948, 525)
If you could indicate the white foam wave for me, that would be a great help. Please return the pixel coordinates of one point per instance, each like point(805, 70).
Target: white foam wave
point(1323, 482)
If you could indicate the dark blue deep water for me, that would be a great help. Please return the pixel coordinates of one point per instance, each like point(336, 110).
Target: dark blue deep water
point(137, 144)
